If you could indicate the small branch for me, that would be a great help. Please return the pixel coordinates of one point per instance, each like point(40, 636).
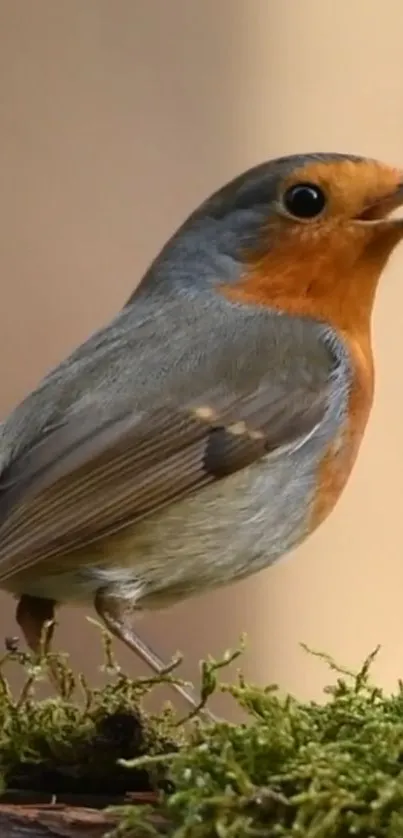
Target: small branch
point(56, 821)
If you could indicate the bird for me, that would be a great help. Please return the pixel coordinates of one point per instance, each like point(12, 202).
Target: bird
point(211, 426)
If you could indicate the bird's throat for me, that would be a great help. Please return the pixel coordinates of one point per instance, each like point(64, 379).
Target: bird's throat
point(334, 284)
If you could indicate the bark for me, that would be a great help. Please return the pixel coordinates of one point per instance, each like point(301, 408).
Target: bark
point(53, 821)
point(57, 821)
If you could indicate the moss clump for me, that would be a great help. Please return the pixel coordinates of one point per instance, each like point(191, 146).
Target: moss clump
point(294, 769)
point(297, 769)
point(73, 744)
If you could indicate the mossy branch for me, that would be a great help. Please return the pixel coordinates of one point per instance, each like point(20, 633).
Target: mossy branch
point(295, 770)
point(54, 822)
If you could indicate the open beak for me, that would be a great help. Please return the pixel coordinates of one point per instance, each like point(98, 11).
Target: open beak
point(379, 212)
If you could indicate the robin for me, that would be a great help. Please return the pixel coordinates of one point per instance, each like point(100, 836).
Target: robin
point(213, 424)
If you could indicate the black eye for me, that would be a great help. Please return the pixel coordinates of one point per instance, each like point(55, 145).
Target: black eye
point(304, 200)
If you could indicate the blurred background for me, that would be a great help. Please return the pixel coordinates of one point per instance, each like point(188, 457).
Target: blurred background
point(117, 117)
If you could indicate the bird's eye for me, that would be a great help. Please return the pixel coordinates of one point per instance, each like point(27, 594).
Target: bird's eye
point(304, 200)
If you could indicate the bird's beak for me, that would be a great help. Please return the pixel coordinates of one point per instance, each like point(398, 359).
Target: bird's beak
point(379, 212)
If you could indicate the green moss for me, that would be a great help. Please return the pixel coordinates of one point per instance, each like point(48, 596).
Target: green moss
point(295, 769)
point(72, 744)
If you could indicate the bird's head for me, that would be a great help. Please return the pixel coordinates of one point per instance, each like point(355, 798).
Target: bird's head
point(327, 235)
point(305, 234)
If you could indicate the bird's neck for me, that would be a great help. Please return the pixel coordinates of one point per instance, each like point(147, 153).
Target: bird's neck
point(329, 285)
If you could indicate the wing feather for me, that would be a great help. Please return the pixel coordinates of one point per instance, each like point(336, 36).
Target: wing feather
point(83, 481)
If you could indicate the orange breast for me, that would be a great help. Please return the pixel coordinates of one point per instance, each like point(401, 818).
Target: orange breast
point(339, 459)
point(306, 283)
point(328, 272)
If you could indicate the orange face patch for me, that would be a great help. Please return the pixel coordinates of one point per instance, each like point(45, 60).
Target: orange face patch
point(350, 185)
point(327, 268)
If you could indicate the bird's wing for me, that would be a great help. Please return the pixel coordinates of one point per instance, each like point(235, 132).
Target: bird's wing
point(82, 482)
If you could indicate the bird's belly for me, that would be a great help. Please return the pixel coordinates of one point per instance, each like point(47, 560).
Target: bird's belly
point(225, 532)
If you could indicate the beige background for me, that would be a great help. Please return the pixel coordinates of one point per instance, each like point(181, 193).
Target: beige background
point(116, 118)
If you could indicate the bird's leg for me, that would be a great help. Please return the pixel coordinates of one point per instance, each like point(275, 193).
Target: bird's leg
point(33, 613)
point(112, 611)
